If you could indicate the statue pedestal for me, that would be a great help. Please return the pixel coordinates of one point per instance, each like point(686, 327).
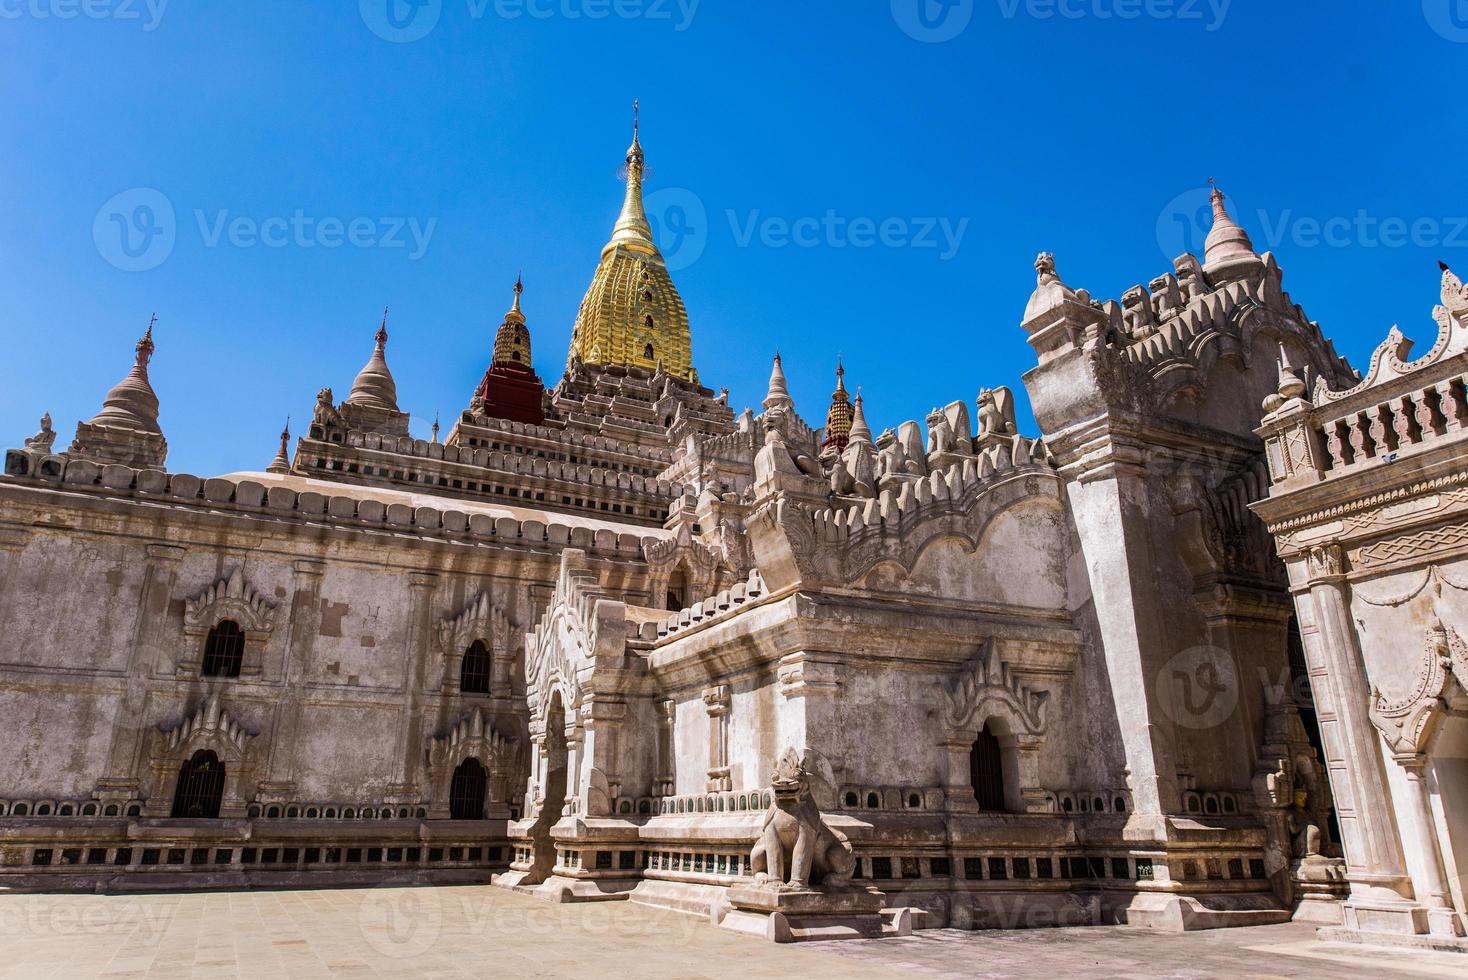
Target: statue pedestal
point(800, 916)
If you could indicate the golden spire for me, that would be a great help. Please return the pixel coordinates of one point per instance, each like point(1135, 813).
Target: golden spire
point(512, 340)
point(632, 228)
point(839, 415)
point(632, 315)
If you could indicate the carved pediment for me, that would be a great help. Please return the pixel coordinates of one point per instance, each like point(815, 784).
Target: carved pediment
point(480, 620)
point(987, 687)
point(209, 727)
point(472, 736)
point(229, 598)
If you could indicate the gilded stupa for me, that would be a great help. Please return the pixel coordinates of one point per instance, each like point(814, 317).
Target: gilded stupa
point(632, 315)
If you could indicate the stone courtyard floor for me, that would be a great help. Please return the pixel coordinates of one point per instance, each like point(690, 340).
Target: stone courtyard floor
point(480, 931)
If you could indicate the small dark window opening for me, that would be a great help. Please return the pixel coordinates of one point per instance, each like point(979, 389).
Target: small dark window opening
point(474, 675)
point(466, 793)
point(647, 350)
point(224, 650)
point(200, 786)
point(986, 768)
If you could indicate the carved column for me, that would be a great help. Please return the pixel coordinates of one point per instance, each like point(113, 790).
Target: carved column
point(599, 743)
point(666, 780)
point(716, 701)
point(303, 627)
point(416, 646)
point(1342, 698)
point(129, 725)
point(958, 787)
point(1415, 813)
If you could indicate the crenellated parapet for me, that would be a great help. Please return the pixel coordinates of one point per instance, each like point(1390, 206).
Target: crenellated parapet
point(795, 542)
point(1159, 350)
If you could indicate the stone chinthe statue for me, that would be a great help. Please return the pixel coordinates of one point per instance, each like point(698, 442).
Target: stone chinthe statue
point(794, 839)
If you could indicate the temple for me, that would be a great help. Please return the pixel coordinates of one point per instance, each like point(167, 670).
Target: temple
point(1186, 654)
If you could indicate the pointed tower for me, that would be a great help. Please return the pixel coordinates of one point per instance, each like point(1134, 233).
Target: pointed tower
point(838, 416)
point(510, 388)
point(1228, 253)
point(632, 315)
point(779, 391)
point(126, 430)
point(372, 405)
point(281, 464)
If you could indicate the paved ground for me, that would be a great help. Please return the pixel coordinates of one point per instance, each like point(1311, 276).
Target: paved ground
point(487, 932)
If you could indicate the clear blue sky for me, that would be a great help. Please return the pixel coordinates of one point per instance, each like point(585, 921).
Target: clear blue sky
point(1042, 124)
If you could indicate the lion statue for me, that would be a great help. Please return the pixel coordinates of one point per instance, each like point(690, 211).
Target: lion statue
point(794, 837)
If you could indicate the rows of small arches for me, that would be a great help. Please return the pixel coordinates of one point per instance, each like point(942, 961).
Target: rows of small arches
point(1083, 802)
point(297, 811)
point(68, 808)
point(729, 802)
point(294, 857)
point(891, 798)
point(1211, 803)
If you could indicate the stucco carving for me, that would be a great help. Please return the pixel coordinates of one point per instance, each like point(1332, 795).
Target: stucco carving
point(233, 598)
point(987, 687)
point(796, 849)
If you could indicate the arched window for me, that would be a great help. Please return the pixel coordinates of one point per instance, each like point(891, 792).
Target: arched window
point(474, 674)
point(677, 590)
point(986, 770)
point(647, 352)
point(466, 793)
point(224, 650)
point(200, 786)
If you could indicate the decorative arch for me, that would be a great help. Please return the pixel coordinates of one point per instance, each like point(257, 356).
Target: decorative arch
point(986, 696)
point(481, 621)
point(471, 738)
point(209, 729)
point(666, 557)
point(230, 599)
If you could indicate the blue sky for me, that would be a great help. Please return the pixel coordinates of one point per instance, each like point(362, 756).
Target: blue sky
point(831, 176)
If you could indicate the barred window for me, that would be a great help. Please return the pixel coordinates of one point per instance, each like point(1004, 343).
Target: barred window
point(466, 793)
point(474, 672)
point(224, 650)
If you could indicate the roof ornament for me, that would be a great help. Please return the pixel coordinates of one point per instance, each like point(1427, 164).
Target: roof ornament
point(435, 425)
point(1227, 242)
point(374, 386)
point(779, 391)
point(282, 461)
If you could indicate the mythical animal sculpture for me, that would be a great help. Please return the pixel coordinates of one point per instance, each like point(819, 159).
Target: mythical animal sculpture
point(793, 834)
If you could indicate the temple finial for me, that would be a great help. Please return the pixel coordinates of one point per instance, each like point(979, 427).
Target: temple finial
point(282, 461)
point(636, 120)
point(382, 331)
point(519, 288)
point(1228, 245)
point(435, 425)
